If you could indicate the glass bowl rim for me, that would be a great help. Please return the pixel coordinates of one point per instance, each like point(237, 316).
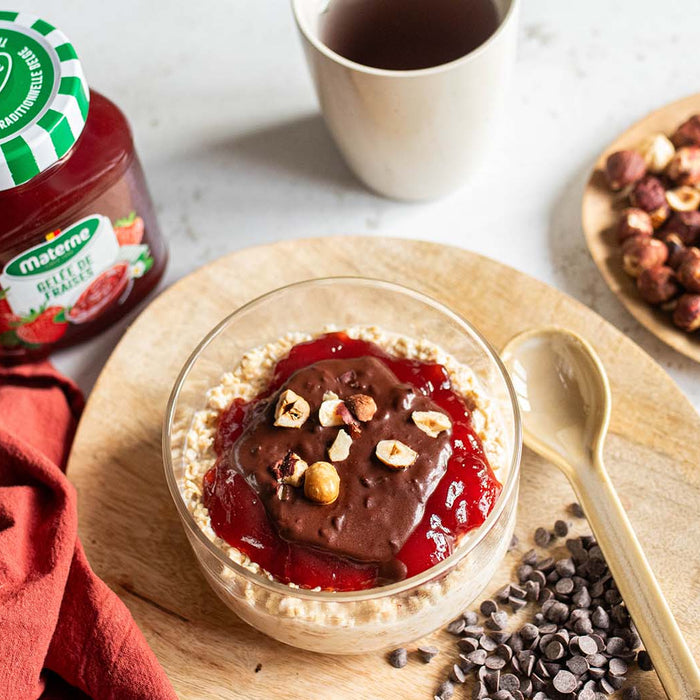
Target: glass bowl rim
point(470, 540)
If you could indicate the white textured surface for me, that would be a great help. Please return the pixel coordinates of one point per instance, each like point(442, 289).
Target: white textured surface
point(228, 129)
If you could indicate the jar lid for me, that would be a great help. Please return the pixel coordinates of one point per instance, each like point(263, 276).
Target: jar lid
point(44, 97)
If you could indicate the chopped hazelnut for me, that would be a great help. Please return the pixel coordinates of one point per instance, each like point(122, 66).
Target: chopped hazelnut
point(684, 169)
point(657, 151)
point(340, 449)
point(687, 313)
point(640, 253)
point(290, 469)
point(395, 454)
point(688, 133)
point(327, 395)
point(657, 285)
point(623, 168)
point(431, 422)
point(322, 483)
point(684, 198)
point(329, 413)
point(686, 224)
point(362, 406)
point(291, 410)
point(634, 222)
point(689, 273)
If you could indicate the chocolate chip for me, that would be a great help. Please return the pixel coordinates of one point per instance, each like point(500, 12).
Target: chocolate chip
point(473, 631)
point(529, 631)
point(427, 654)
point(587, 645)
point(564, 586)
point(565, 682)
point(631, 693)
point(457, 675)
point(487, 607)
point(479, 692)
point(487, 643)
point(504, 651)
point(398, 658)
point(514, 542)
point(509, 682)
point(577, 665)
point(470, 618)
point(565, 567)
point(600, 618)
point(495, 662)
point(644, 661)
point(446, 691)
point(596, 660)
point(457, 626)
point(542, 537)
point(516, 603)
point(477, 657)
point(524, 572)
point(468, 644)
point(545, 565)
point(561, 529)
point(497, 620)
point(554, 650)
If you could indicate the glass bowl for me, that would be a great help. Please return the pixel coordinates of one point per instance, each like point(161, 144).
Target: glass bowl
point(381, 617)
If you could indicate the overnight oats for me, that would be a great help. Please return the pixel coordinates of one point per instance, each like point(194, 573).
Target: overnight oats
point(340, 474)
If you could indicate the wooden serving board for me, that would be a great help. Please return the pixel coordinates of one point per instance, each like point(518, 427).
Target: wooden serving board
point(601, 210)
point(134, 540)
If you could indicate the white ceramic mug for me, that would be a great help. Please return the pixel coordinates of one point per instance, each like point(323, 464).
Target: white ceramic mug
point(414, 134)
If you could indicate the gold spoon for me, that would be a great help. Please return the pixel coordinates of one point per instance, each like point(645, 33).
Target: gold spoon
point(564, 398)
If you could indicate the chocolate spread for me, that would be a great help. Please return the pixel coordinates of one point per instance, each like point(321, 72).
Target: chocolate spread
point(377, 507)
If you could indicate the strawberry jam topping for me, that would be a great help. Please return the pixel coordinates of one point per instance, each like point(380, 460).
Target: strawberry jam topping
point(461, 500)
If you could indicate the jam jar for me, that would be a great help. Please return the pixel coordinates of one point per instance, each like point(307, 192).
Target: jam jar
point(79, 241)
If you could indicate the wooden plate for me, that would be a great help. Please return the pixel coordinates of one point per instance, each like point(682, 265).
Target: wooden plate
point(134, 540)
point(600, 212)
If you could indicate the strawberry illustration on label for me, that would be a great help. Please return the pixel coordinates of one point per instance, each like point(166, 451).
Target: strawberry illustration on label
point(8, 320)
point(129, 230)
point(47, 325)
point(104, 291)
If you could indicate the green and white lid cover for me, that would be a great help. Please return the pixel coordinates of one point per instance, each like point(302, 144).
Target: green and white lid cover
point(44, 97)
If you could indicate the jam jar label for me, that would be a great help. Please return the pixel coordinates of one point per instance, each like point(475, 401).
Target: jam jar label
point(73, 277)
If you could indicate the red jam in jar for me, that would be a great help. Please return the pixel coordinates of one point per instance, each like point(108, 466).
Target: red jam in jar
point(79, 241)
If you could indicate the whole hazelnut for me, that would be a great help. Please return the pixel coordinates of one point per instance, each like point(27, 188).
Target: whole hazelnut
point(321, 483)
point(657, 151)
point(688, 133)
point(648, 194)
point(689, 273)
point(623, 168)
point(687, 312)
point(676, 249)
point(634, 222)
point(641, 252)
point(658, 284)
point(684, 167)
point(685, 224)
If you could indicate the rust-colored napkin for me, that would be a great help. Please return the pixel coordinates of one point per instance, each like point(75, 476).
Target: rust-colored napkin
point(63, 632)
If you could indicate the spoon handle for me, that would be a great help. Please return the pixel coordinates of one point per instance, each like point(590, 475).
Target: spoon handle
point(636, 582)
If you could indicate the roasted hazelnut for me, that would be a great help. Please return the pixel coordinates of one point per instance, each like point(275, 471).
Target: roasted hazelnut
point(687, 313)
point(684, 168)
point(432, 423)
point(688, 133)
point(321, 483)
point(649, 194)
point(658, 284)
point(624, 168)
point(685, 224)
point(290, 469)
point(675, 249)
point(689, 273)
point(291, 411)
point(634, 222)
point(657, 151)
point(362, 406)
point(683, 198)
point(395, 454)
point(641, 253)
